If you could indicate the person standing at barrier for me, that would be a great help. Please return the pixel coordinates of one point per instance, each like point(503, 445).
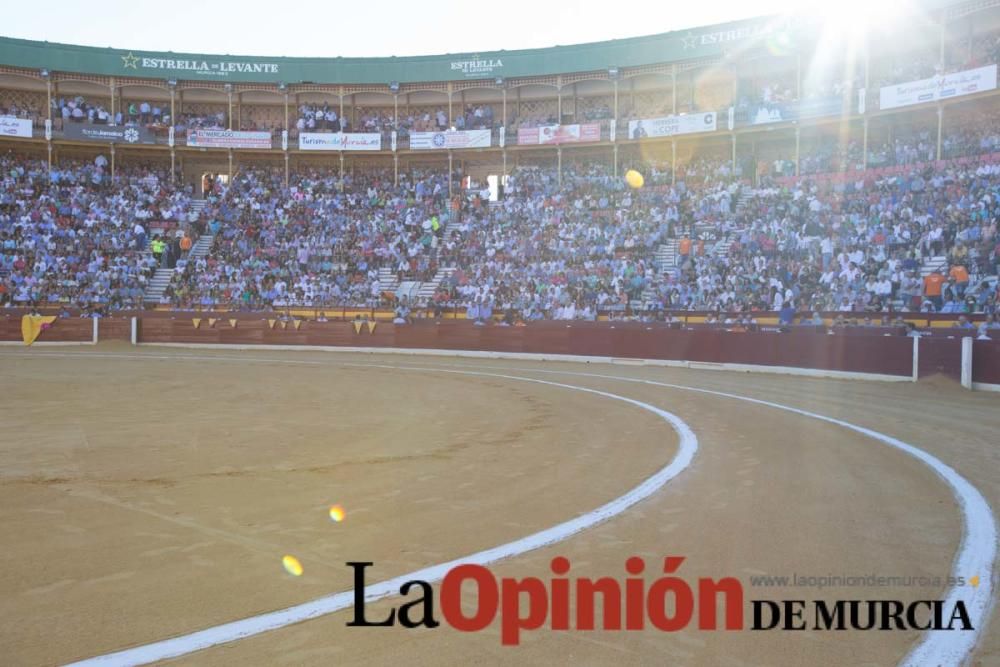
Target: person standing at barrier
point(472, 312)
point(933, 283)
point(786, 316)
point(960, 275)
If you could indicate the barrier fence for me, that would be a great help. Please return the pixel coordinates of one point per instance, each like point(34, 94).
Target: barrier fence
point(875, 354)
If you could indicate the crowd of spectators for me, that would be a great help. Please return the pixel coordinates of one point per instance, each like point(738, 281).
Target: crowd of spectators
point(550, 248)
point(856, 246)
point(10, 106)
point(589, 245)
point(972, 134)
point(766, 99)
point(153, 115)
point(320, 118)
point(318, 242)
point(73, 237)
point(325, 118)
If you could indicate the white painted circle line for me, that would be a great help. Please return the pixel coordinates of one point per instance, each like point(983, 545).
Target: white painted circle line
point(976, 554)
point(229, 632)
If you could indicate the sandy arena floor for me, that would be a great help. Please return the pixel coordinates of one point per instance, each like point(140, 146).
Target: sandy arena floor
point(148, 492)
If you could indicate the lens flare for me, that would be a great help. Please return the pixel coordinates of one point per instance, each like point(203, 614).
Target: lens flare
point(292, 566)
point(337, 513)
point(634, 179)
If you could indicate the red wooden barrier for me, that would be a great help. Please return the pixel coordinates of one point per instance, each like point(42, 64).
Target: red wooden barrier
point(889, 355)
point(986, 361)
point(804, 347)
point(63, 330)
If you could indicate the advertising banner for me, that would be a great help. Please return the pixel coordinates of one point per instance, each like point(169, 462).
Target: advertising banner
point(967, 82)
point(228, 139)
point(772, 113)
point(558, 134)
point(15, 127)
point(456, 139)
point(340, 141)
point(117, 134)
point(670, 126)
point(824, 106)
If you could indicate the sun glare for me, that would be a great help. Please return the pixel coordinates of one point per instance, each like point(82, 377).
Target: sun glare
point(855, 18)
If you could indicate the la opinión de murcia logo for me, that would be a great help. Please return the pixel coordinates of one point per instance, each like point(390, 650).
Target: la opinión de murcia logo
point(669, 604)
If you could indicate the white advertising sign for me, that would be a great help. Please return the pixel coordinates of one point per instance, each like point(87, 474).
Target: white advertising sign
point(340, 141)
point(15, 127)
point(228, 139)
point(967, 82)
point(456, 139)
point(670, 126)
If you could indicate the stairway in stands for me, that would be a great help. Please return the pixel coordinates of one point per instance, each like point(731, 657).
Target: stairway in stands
point(746, 194)
point(161, 279)
point(427, 289)
point(665, 263)
point(666, 255)
point(723, 245)
point(387, 280)
point(938, 262)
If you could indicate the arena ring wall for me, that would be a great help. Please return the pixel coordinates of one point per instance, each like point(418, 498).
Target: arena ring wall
point(801, 350)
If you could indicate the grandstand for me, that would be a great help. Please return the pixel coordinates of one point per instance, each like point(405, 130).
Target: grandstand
point(495, 178)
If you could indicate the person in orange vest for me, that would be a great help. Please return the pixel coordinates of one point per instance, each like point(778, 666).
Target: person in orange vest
point(185, 244)
point(684, 248)
point(932, 288)
point(961, 276)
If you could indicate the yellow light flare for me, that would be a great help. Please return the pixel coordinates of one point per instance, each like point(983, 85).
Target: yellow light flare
point(337, 513)
point(634, 179)
point(292, 566)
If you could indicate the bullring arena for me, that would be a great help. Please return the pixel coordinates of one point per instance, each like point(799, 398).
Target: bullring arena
point(673, 349)
point(221, 461)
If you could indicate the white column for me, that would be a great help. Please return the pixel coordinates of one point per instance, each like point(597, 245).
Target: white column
point(967, 362)
point(94, 320)
point(135, 331)
point(916, 358)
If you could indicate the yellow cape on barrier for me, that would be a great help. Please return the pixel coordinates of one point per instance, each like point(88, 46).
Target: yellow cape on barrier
point(31, 326)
